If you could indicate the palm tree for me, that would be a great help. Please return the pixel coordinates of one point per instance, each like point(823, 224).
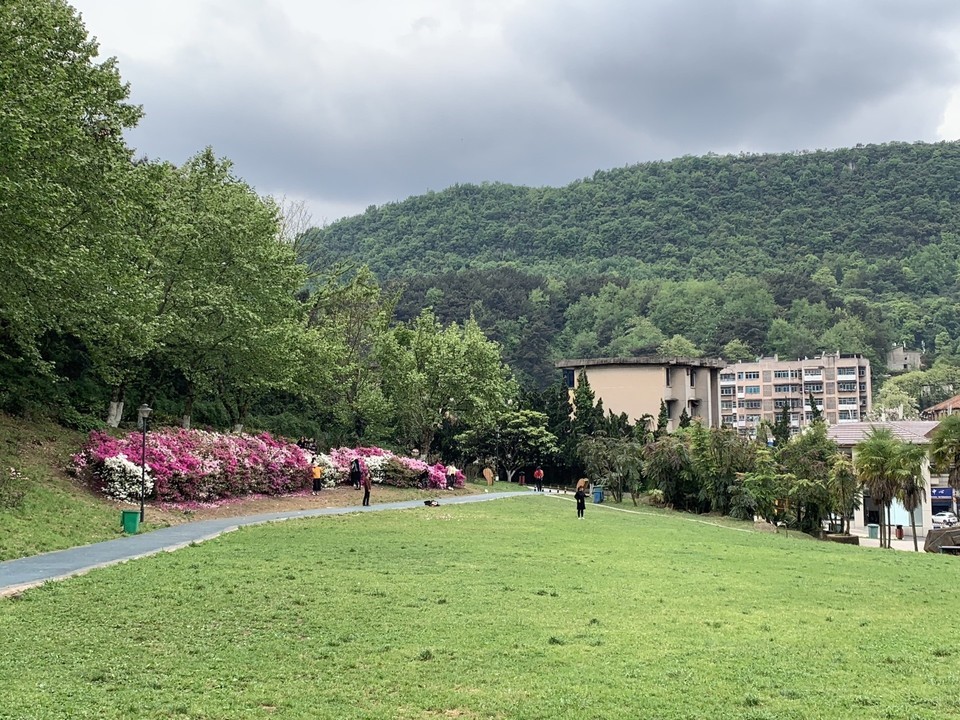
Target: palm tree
point(842, 485)
point(876, 459)
point(945, 452)
point(910, 486)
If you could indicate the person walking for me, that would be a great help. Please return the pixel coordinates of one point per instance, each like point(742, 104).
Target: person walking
point(355, 473)
point(538, 478)
point(366, 488)
point(581, 497)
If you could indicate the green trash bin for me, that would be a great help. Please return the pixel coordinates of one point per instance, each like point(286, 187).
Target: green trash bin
point(130, 519)
point(873, 531)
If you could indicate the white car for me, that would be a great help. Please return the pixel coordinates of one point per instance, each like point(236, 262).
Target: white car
point(944, 518)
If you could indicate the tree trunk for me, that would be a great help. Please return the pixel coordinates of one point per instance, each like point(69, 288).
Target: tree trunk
point(913, 529)
point(187, 412)
point(115, 411)
point(237, 428)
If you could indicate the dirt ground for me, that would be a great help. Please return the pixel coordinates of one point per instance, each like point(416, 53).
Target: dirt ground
point(341, 496)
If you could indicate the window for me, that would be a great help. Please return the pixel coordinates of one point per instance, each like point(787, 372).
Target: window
point(729, 419)
point(785, 388)
point(668, 374)
point(813, 372)
point(753, 404)
point(726, 391)
point(693, 377)
point(726, 404)
point(739, 376)
point(568, 377)
point(848, 401)
point(846, 387)
point(751, 375)
point(781, 373)
point(846, 372)
point(813, 387)
point(795, 373)
point(724, 377)
point(849, 415)
point(752, 389)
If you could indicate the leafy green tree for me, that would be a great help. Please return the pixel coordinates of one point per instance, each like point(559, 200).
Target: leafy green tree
point(684, 421)
point(807, 458)
point(877, 462)
point(663, 420)
point(588, 418)
point(816, 414)
point(669, 468)
point(911, 488)
point(616, 463)
point(761, 490)
point(945, 451)
point(781, 427)
point(737, 350)
point(679, 346)
point(63, 168)
point(843, 486)
point(516, 438)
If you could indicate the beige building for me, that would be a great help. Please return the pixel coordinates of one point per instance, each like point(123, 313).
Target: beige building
point(753, 392)
point(636, 386)
point(942, 410)
point(900, 360)
point(939, 495)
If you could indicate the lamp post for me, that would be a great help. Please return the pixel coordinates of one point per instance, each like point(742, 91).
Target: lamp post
point(143, 413)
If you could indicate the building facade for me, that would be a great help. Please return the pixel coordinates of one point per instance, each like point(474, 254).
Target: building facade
point(900, 360)
point(636, 386)
point(751, 393)
point(942, 410)
point(939, 495)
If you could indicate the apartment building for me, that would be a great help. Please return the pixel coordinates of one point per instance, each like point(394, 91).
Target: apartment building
point(753, 392)
point(636, 386)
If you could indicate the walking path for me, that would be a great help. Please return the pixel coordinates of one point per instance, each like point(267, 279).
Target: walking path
point(24, 573)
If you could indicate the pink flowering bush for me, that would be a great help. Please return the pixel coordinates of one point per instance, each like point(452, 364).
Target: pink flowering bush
point(385, 468)
point(193, 465)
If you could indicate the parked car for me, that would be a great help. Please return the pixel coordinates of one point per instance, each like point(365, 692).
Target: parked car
point(944, 517)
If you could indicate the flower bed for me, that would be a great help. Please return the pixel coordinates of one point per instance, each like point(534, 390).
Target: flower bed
point(384, 468)
point(193, 465)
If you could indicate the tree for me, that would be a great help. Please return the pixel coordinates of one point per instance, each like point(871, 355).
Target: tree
point(910, 486)
point(816, 414)
point(893, 403)
point(807, 459)
point(737, 350)
point(663, 420)
point(781, 427)
point(945, 452)
point(679, 346)
point(684, 421)
point(876, 459)
point(842, 484)
point(517, 438)
point(616, 463)
point(63, 167)
point(588, 417)
point(669, 468)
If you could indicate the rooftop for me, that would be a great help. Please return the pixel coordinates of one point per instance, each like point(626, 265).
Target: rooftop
point(658, 360)
point(916, 432)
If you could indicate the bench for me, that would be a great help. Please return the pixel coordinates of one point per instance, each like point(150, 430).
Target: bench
point(950, 549)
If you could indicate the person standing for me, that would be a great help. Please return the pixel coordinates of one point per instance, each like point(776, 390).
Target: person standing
point(538, 477)
point(355, 473)
point(366, 488)
point(317, 479)
point(581, 497)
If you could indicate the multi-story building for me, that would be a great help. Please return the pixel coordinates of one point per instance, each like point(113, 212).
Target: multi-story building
point(636, 386)
point(753, 392)
point(900, 360)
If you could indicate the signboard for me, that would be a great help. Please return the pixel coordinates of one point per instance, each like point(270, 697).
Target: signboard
point(941, 492)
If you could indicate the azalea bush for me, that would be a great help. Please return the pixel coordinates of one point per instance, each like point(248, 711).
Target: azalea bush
point(193, 465)
point(385, 468)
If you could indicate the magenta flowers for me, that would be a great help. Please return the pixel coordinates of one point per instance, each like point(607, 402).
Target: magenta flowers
point(194, 465)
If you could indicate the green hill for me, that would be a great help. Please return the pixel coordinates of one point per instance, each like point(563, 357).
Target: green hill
point(852, 249)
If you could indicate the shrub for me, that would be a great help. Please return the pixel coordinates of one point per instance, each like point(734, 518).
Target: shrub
point(193, 465)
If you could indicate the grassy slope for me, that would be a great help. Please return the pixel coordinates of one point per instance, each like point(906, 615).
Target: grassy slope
point(509, 609)
point(56, 512)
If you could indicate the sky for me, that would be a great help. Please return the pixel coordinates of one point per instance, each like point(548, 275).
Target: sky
point(343, 104)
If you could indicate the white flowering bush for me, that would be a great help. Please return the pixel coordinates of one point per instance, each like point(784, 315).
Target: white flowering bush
point(121, 479)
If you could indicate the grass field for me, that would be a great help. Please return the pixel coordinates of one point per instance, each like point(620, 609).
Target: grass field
point(507, 609)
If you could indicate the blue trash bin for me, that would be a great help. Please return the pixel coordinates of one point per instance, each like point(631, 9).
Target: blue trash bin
point(598, 495)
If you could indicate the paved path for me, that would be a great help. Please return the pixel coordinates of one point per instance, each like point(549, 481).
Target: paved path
point(23, 573)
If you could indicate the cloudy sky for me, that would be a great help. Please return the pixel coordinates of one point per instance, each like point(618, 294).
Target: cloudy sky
point(349, 103)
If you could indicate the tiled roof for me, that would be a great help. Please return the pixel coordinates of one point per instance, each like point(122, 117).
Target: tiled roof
point(945, 406)
point(916, 432)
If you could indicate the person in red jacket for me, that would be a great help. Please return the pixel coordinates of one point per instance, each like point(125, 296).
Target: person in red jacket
point(538, 477)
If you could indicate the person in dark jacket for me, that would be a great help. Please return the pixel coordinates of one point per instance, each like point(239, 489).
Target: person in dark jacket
point(355, 473)
point(581, 497)
point(366, 488)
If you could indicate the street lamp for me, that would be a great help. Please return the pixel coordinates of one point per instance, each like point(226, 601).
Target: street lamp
point(143, 414)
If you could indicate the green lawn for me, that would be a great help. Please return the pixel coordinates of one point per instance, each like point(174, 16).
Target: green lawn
point(506, 609)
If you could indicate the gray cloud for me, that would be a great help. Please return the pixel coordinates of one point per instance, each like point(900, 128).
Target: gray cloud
point(563, 89)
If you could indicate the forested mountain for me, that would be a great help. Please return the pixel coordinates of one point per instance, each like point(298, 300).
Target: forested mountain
point(850, 250)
